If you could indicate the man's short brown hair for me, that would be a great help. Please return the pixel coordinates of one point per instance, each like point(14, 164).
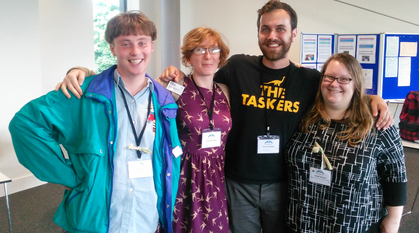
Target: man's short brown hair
point(130, 23)
point(278, 5)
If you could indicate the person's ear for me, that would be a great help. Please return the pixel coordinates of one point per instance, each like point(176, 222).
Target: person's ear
point(152, 46)
point(294, 34)
point(112, 47)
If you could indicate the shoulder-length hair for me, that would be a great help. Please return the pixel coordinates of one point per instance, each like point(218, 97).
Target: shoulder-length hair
point(360, 120)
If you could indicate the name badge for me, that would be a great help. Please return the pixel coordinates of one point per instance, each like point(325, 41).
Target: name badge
point(140, 169)
point(320, 176)
point(268, 144)
point(174, 87)
point(211, 138)
point(177, 151)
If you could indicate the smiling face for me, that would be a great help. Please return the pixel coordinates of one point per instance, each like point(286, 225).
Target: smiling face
point(337, 96)
point(133, 53)
point(275, 35)
point(205, 65)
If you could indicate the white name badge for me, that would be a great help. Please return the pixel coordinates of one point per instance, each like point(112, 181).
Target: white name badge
point(140, 169)
point(320, 176)
point(268, 144)
point(177, 151)
point(211, 138)
point(174, 87)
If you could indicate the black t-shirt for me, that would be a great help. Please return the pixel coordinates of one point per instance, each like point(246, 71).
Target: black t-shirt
point(260, 96)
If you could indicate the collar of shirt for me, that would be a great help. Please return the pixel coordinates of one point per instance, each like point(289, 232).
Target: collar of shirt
point(120, 82)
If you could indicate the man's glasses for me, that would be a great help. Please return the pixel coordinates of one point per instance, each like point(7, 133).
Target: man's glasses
point(211, 50)
point(341, 80)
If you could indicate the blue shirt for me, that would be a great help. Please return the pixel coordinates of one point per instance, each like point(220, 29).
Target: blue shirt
point(134, 200)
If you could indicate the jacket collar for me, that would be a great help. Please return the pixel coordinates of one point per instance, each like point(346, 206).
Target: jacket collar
point(103, 83)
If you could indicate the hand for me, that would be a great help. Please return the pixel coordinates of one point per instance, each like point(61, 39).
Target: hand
point(386, 118)
point(67, 188)
point(390, 225)
point(171, 73)
point(391, 222)
point(72, 81)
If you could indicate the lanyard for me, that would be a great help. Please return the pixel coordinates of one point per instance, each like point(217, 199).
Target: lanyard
point(268, 131)
point(210, 111)
point(138, 140)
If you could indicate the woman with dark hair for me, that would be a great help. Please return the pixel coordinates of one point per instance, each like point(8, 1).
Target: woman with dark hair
point(344, 175)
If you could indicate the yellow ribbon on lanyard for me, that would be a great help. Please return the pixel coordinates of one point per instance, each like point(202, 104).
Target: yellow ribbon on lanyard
point(316, 149)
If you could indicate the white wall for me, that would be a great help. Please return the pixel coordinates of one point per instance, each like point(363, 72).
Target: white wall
point(66, 32)
point(334, 17)
point(236, 19)
point(40, 40)
point(152, 10)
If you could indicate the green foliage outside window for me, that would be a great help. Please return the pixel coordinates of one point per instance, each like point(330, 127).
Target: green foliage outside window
point(103, 11)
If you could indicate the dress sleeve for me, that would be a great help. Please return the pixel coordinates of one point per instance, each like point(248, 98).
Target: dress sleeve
point(391, 168)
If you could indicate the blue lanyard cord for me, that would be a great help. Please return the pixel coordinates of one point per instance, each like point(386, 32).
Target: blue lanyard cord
point(137, 139)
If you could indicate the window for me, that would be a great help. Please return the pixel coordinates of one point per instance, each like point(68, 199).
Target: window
point(103, 11)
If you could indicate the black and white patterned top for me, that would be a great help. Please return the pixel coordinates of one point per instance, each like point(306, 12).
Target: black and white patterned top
point(364, 180)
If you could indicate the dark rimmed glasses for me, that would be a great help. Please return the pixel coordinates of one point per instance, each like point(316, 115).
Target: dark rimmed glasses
point(341, 80)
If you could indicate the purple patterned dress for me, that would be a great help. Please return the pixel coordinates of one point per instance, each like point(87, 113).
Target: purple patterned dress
point(201, 204)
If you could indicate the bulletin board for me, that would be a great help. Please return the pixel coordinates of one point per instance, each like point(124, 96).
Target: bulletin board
point(366, 49)
point(400, 65)
point(316, 49)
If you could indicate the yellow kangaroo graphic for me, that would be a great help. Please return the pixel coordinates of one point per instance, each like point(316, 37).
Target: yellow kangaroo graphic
point(276, 82)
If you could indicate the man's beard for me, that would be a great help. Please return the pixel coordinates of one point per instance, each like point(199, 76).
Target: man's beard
point(276, 55)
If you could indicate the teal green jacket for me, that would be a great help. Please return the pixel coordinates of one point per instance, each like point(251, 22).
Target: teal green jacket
point(87, 129)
